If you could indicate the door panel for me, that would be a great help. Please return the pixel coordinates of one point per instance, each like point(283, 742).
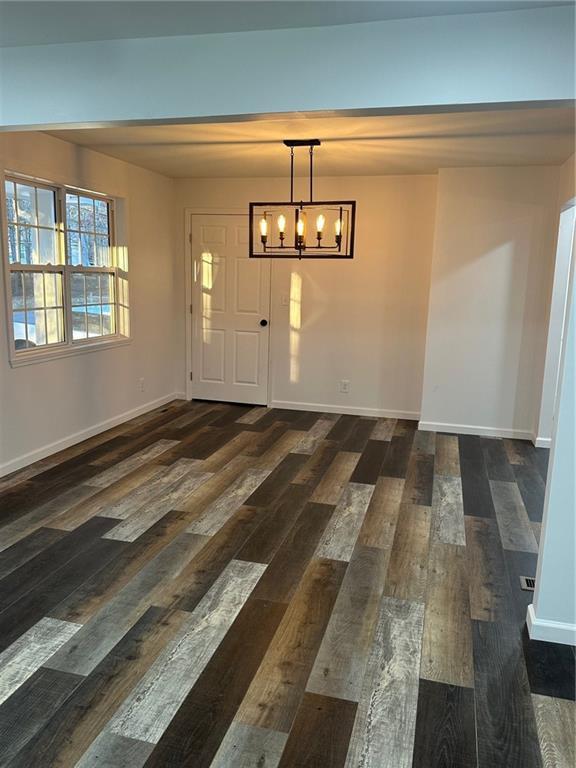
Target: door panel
point(230, 295)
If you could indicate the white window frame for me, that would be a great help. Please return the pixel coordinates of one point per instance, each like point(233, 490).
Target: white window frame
point(69, 346)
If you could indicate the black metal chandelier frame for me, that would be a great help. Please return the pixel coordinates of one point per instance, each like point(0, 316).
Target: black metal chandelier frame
point(313, 248)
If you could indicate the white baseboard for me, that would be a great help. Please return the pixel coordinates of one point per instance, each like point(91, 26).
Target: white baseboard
point(347, 410)
point(542, 442)
point(469, 429)
point(550, 631)
point(59, 445)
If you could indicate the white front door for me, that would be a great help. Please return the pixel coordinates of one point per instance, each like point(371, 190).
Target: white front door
point(230, 312)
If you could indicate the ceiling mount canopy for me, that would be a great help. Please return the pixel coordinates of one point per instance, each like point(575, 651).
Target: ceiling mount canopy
point(305, 229)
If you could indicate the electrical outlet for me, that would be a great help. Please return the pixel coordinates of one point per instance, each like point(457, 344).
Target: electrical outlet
point(141, 385)
point(344, 386)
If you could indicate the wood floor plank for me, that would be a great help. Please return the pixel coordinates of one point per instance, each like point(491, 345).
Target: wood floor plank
point(321, 733)
point(34, 605)
point(445, 727)
point(153, 703)
point(419, 479)
point(532, 488)
point(264, 542)
point(30, 707)
point(27, 654)
point(448, 511)
point(368, 468)
point(340, 664)
point(555, 720)
point(101, 633)
point(340, 535)
point(112, 751)
point(505, 717)
point(513, 522)
point(143, 519)
point(277, 688)
point(331, 487)
point(247, 746)
point(42, 515)
point(475, 484)
point(314, 436)
point(220, 511)
point(408, 567)
point(26, 548)
point(447, 641)
point(285, 570)
point(496, 460)
point(150, 489)
point(74, 727)
point(379, 525)
point(447, 460)
point(384, 429)
point(398, 455)
point(487, 576)
point(313, 471)
point(424, 442)
point(272, 486)
point(383, 733)
point(359, 436)
point(194, 735)
point(120, 470)
point(252, 416)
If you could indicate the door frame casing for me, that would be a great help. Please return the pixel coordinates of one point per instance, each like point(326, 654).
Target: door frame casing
point(189, 213)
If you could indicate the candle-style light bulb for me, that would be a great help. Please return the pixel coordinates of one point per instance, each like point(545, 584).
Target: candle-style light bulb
point(263, 231)
point(338, 227)
point(300, 227)
point(320, 221)
point(281, 224)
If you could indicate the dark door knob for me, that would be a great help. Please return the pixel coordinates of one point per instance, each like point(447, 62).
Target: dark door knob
point(263, 323)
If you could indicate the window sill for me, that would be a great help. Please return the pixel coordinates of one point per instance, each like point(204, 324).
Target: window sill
point(45, 356)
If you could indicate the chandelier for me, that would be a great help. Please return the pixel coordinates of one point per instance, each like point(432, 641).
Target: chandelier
point(303, 230)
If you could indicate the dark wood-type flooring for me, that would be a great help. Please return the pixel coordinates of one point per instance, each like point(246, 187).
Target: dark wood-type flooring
point(217, 585)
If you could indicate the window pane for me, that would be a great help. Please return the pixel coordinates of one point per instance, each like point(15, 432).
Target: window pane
point(10, 201)
point(46, 207)
point(87, 214)
point(53, 289)
point(78, 323)
point(72, 216)
point(92, 289)
point(101, 216)
point(88, 247)
point(12, 244)
point(73, 239)
point(36, 327)
point(107, 288)
point(27, 245)
point(108, 325)
point(34, 289)
point(17, 290)
point(47, 249)
point(94, 321)
point(26, 206)
point(54, 326)
point(78, 295)
point(19, 327)
point(102, 252)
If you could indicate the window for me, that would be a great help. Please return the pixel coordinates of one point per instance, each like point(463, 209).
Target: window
point(68, 282)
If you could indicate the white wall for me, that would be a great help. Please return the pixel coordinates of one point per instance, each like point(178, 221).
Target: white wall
point(44, 405)
point(363, 320)
point(482, 58)
point(491, 276)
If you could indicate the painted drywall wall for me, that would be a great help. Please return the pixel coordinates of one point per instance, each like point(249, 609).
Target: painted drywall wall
point(516, 56)
point(552, 616)
point(362, 320)
point(487, 323)
point(44, 405)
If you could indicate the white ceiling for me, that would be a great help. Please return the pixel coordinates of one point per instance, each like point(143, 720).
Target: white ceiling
point(350, 145)
point(28, 22)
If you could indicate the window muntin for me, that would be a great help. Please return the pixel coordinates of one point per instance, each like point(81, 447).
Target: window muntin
point(66, 287)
